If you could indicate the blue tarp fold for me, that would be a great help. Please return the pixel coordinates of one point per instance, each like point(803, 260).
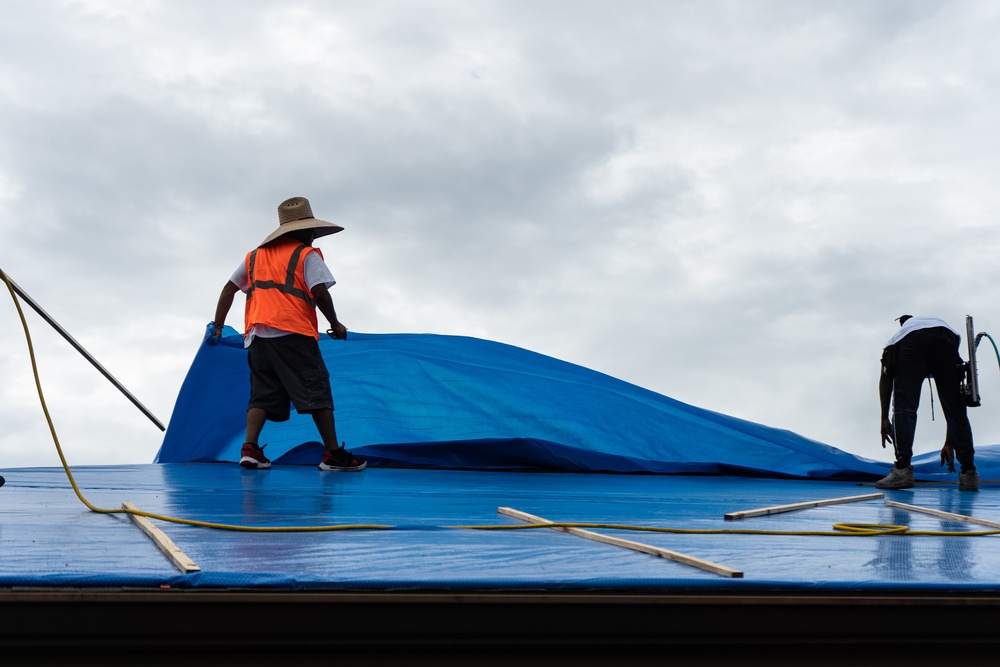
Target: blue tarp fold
point(435, 401)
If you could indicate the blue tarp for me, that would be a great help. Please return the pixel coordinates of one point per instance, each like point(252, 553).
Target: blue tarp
point(49, 539)
point(427, 410)
point(452, 402)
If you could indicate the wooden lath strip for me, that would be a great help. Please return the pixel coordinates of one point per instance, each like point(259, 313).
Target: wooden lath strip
point(164, 543)
point(777, 509)
point(709, 566)
point(944, 515)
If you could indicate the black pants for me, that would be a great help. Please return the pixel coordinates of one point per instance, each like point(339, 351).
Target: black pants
point(288, 369)
point(921, 353)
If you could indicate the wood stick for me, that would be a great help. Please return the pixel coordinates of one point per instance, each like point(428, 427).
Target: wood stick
point(165, 544)
point(629, 544)
point(944, 515)
point(801, 506)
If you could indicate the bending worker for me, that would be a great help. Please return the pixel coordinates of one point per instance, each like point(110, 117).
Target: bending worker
point(923, 347)
point(285, 280)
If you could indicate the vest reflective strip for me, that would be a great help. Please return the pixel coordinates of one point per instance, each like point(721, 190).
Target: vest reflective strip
point(287, 287)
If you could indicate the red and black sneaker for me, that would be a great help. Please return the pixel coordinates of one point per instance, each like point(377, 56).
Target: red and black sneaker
point(341, 460)
point(253, 457)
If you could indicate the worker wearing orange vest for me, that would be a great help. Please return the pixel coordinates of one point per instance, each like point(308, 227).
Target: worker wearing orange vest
point(285, 280)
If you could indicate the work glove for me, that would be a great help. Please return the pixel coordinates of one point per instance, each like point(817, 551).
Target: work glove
point(210, 334)
point(337, 333)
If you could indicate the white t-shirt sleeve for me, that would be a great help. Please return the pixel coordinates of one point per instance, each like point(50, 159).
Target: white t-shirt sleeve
point(240, 277)
point(316, 271)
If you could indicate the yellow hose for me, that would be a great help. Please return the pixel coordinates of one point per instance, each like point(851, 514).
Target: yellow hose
point(137, 512)
point(839, 530)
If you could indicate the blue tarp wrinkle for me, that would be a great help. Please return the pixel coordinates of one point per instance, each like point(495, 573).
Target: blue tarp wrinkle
point(453, 402)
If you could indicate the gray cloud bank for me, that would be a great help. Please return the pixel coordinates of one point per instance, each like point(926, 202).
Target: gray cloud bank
point(725, 202)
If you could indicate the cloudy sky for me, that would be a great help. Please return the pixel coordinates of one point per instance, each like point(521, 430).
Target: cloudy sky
point(724, 202)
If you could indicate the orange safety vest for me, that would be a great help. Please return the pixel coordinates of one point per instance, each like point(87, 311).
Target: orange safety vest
point(278, 296)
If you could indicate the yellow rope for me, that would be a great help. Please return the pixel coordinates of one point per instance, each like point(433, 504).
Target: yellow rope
point(839, 529)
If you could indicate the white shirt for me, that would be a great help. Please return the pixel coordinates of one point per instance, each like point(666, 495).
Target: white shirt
point(917, 323)
point(315, 271)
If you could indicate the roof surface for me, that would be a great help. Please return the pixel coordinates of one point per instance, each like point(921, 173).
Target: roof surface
point(49, 538)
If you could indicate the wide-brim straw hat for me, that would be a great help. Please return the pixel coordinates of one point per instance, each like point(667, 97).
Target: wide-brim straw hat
point(295, 214)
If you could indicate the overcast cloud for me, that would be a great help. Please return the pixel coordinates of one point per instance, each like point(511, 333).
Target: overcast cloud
point(724, 202)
